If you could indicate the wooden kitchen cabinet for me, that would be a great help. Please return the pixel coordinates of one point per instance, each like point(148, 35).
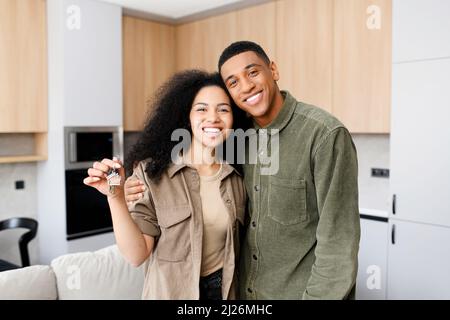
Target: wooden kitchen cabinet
point(148, 61)
point(305, 50)
point(23, 65)
point(200, 43)
point(32, 147)
point(296, 34)
point(335, 54)
point(332, 54)
point(258, 24)
point(362, 64)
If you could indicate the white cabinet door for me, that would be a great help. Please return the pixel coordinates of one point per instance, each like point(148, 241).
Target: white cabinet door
point(420, 141)
point(421, 29)
point(92, 63)
point(418, 261)
point(372, 260)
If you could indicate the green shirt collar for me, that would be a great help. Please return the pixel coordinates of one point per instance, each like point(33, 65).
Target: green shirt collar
point(285, 114)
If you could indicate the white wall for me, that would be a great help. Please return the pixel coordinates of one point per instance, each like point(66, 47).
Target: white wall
point(373, 152)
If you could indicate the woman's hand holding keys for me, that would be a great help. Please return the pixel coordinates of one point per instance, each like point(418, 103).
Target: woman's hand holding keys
point(107, 177)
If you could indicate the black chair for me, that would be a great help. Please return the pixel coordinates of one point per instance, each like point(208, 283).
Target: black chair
point(14, 223)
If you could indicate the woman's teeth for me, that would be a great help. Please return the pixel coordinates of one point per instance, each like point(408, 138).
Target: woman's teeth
point(211, 131)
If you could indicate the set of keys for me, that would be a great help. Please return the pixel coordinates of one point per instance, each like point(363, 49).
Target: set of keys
point(114, 180)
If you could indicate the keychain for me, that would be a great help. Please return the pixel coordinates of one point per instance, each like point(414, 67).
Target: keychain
point(113, 178)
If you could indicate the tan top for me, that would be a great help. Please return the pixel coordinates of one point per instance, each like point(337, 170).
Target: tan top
point(215, 223)
point(171, 211)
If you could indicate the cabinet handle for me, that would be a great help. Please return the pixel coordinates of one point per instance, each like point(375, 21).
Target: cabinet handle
point(393, 234)
point(394, 200)
point(72, 145)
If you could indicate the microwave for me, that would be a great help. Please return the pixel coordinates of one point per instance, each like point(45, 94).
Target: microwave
point(85, 145)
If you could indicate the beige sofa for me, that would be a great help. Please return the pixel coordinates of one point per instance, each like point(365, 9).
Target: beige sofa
point(102, 274)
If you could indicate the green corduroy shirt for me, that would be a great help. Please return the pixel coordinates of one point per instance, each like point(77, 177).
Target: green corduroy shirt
point(303, 231)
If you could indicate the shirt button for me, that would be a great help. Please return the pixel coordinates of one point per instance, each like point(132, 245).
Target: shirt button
point(256, 188)
point(249, 290)
point(255, 257)
point(254, 224)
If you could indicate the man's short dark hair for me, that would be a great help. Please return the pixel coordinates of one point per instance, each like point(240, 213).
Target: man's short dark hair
point(239, 47)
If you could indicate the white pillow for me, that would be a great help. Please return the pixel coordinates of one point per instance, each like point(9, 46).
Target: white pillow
point(103, 274)
point(31, 283)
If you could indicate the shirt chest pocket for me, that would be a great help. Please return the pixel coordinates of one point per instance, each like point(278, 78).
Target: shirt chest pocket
point(174, 242)
point(287, 200)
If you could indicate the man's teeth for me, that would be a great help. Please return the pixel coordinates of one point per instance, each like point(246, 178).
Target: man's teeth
point(253, 98)
point(211, 130)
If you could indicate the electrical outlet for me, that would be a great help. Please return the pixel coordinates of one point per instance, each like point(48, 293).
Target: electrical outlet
point(380, 173)
point(20, 184)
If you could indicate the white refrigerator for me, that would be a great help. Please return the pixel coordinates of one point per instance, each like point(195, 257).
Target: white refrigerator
point(419, 220)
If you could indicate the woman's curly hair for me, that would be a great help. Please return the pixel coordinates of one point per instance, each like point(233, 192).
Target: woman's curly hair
point(172, 105)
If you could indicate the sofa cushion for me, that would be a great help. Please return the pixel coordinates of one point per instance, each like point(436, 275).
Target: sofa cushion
point(31, 283)
point(103, 274)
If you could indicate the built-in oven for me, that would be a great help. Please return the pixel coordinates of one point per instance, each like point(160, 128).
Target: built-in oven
point(87, 210)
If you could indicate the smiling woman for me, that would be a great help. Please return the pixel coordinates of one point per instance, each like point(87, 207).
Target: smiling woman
point(211, 118)
point(188, 100)
point(189, 206)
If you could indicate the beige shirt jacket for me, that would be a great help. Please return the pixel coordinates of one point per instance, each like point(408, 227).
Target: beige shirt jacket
point(171, 211)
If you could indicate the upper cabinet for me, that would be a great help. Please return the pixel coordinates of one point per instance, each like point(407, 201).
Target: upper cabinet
point(335, 54)
point(362, 64)
point(200, 43)
point(420, 29)
point(23, 65)
point(90, 34)
point(258, 24)
point(304, 49)
point(148, 60)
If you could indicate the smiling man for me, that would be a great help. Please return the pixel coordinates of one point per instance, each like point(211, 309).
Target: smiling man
point(303, 234)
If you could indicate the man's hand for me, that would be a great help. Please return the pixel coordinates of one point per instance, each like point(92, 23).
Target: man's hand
point(134, 190)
